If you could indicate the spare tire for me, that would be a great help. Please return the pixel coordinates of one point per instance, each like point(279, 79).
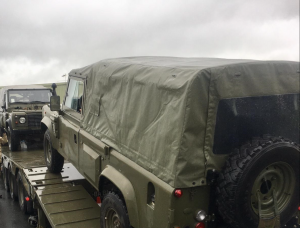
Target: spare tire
point(253, 172)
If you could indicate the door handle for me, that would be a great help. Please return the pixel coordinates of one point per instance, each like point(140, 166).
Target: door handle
point(75, 139)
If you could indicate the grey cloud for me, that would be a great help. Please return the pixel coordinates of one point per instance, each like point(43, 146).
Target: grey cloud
point(77, 33)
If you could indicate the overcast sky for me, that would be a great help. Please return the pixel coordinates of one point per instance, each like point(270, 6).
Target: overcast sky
point(42, 40)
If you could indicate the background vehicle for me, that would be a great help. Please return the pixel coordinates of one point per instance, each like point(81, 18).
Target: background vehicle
point(182, 142)
point(21, 113)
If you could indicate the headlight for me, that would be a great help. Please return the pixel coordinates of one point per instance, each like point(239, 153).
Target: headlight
point(200, 215)
point(22, 120)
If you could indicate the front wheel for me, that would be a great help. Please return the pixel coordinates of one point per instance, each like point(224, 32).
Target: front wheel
point(13, 140)
point(114, 212)
point(54, 161)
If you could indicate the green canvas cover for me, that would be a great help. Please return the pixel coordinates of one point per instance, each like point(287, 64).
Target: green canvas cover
point(160, 111)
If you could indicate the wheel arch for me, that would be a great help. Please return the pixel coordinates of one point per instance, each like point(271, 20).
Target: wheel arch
point(110, 176)
point(13, 168)
point(8, 123)
point(46, 124)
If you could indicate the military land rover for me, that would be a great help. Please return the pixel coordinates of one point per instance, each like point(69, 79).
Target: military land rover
point(182, 142)
point(21, 113)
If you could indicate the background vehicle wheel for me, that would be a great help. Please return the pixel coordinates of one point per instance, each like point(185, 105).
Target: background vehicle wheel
point(13, 140)
point(253, 172)
point(5, 178)
point(114, 212)
point(13, 189)
point(54, 160)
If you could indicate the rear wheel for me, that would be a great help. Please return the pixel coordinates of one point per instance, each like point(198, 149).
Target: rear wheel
point(114, 212)
point(251, 179)
point(13, 140)
point(54, 160)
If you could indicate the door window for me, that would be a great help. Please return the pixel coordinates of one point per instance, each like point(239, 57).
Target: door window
point(74, 95)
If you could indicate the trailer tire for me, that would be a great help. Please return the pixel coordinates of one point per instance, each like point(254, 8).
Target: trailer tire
point(53, 159)
point(113, 212)
point(13, 139)
point(13, 188)
point(254, 172)
point(5, 177)
point(25, 206)
point(21, 194)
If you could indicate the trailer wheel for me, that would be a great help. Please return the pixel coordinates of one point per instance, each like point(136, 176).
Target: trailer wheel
point(13, 189)
point(253, 176)
point(26, 206)
point(13, 140)
point(5, 177)
point(54, 160)
point(21, 194)
point(114, 212)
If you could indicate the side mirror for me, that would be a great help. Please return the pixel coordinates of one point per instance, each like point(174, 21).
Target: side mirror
point(3, 107)
point(55, 103)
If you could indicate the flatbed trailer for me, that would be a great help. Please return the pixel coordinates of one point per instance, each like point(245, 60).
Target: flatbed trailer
point(60, 200)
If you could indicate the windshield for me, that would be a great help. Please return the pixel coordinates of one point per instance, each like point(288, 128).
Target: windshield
point(29, 96)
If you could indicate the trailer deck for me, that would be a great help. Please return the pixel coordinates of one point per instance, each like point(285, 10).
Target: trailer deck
point(58, 197)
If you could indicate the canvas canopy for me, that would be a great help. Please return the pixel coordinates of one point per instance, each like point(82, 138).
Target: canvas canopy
point(160, 111)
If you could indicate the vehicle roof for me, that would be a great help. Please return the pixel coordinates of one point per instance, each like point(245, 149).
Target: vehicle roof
point(5, 88)
point(16, 87)
point(173, 62)
point(179, 62)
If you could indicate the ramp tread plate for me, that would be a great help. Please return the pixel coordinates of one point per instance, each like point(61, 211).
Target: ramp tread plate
point(69, 206)
point(93, 223)
point(41, 176)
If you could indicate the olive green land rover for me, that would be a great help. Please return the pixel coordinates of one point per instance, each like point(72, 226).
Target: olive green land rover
point(182, 142)
point(21, 113)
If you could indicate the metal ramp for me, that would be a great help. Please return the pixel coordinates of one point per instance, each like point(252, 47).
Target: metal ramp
point(65, 205)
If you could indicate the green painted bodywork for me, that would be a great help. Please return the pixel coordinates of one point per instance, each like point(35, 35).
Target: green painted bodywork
point(150, 121)
point(10, 115)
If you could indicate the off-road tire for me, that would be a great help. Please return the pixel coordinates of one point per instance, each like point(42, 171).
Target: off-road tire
point(113, 209)
point(54, 161)
point(236, 181)
point(13, 140)
point(5, 177)
point(13, 188)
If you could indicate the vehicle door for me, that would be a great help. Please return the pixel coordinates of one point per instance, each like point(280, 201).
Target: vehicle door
point(93, 153)
point(69, 120)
